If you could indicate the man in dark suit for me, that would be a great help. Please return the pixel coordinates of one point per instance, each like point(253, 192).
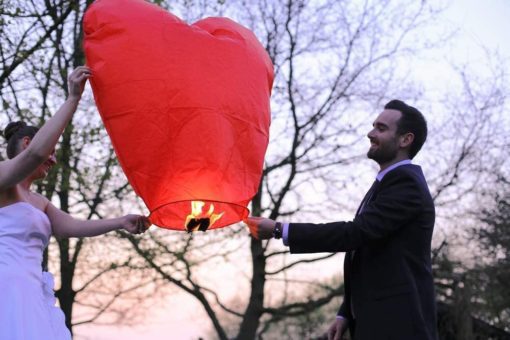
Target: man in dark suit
point(389, 290)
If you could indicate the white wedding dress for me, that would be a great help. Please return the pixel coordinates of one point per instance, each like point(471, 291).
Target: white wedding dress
point(27, 306)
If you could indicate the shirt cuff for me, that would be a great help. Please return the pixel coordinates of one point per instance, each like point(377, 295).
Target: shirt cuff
point(285, 234)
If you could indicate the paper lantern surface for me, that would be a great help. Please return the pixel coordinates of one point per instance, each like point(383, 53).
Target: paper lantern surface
point(186, 108)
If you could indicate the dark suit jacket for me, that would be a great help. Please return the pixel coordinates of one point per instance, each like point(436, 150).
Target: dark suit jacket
point(388, 279)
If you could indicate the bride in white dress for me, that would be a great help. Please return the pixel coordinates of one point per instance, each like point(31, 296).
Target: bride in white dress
point(27, 220)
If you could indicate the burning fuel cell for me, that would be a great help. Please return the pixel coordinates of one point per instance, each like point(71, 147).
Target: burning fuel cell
point(198, 220)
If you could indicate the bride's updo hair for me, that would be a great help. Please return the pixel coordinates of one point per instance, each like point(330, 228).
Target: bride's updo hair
point(15, 131)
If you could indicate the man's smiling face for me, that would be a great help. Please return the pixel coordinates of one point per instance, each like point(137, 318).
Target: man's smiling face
point(384, 141)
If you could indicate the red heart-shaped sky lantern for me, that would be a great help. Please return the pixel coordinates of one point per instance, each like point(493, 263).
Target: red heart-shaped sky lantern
point(186, 108)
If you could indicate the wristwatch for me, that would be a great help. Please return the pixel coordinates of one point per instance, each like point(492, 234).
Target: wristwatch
point(277, 231)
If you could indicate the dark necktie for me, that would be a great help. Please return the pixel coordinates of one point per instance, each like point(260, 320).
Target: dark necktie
point(361, 207)
point(363, 204)
point(367, 197)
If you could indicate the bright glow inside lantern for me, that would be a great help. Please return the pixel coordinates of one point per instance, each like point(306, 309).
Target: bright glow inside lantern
point(198, 220)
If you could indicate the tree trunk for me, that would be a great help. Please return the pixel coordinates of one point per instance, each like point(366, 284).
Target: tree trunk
point(66, 294)
point(251, 318)
point(462, 311)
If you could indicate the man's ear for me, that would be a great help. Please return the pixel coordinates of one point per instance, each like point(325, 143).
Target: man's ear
point(406, 140)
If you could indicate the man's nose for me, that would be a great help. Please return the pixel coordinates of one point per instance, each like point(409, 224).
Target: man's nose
point(370, 134)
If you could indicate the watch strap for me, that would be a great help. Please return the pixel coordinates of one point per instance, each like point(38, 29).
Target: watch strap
point(278, 230)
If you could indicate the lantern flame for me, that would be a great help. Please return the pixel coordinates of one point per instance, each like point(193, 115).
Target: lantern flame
point(199, 220)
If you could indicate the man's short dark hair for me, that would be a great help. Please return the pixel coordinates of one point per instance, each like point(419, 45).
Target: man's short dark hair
point(411, 121)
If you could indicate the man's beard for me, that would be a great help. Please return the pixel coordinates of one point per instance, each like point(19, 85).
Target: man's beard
point(383, 154)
